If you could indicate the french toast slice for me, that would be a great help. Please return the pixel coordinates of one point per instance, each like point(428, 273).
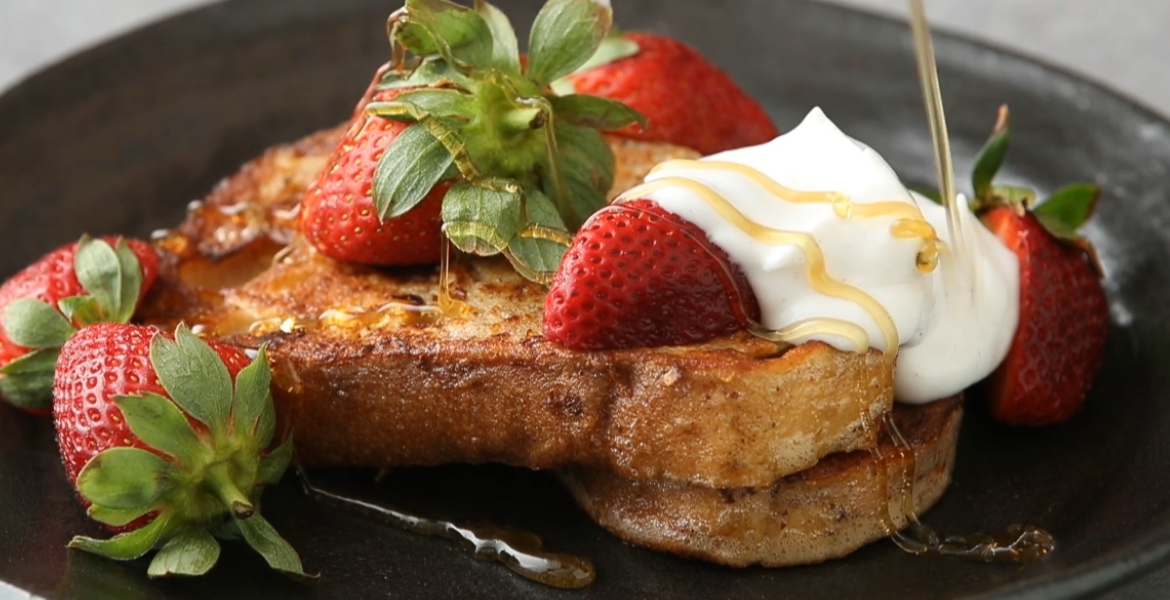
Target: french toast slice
point(368, 372)
point(847, 500)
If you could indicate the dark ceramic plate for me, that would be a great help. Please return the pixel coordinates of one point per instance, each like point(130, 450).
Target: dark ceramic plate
point(120, 138)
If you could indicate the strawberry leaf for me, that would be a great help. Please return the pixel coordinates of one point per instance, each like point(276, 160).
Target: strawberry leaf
point(480, 218)
point(162, 426)
point(541, 211)
point(1057, 227)
point(419, 104)
point(991, 156)
point(34, 324)
point(448, 29)
point(125, 478)
point(28, 380)
point(1014, 195)
point(505, 48)
point(252, 408)
point(129, 545)
point(586, 166)
point(116, 517)
point(1072, 205)
point(612, 49)
point(111, 275)
point(564, 36)
point(275, 463)
point(534, 258)
point(131, 283)
point(408, 170)
point(276, 552)
point(191, 552)
point(430, 72)
point(595, 112)
point(194, 377)
point(83, 310)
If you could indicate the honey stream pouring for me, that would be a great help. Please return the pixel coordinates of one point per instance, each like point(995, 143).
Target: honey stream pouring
point(1015, 543)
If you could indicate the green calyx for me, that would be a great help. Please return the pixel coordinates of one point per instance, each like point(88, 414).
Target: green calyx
point(210, 458)
point(528, 165)
point(1063, 213)
point(112, 279)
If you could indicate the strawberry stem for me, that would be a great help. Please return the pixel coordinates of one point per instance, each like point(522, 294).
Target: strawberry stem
point(228, 492)
point(522, 119)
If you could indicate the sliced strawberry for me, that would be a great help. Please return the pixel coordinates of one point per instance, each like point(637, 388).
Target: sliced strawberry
point(639, 276)
point(169, 442)
point(1064, 319)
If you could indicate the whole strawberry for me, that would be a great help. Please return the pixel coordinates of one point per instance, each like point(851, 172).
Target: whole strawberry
point(338, 214)
point(639, 276)
point(459, 138)
point(166, 439)
point(90, 281)
point(1059, 343)
point(687, 100)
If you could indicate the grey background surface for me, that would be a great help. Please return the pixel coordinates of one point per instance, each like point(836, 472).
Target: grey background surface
point(1121, 43)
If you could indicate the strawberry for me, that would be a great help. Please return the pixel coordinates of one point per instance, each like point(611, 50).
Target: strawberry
point(72, 286)
point(166, 439)
point(637, 275)
point(338, 214)
point(1064, 319)
point(459, 137)
point(1059, 343)
point(687, 100)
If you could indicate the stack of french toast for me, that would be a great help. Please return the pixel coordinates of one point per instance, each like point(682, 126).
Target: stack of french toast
point(730, 450)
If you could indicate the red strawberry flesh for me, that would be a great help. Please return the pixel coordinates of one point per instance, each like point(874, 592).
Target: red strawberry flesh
point(1064, 319)
point(639, 276)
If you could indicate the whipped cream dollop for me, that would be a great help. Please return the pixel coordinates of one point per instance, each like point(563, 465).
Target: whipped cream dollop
point(838, 250)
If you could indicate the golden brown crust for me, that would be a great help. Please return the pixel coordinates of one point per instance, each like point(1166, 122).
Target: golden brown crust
point(261, 200)
point(846, 501)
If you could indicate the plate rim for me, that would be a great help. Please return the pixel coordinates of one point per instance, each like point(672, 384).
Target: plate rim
point(1099, 575)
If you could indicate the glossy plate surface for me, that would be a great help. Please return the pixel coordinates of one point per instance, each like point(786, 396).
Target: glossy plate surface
point(120, 138)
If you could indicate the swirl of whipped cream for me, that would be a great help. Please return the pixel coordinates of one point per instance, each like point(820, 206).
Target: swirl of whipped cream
point(838, 250)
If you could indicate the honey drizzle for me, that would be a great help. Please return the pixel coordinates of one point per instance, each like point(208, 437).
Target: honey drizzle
point(818, 276)
point(451, 306)
point(521, 551)
point(1013, 544)
point(807, 327)
point(909, 223)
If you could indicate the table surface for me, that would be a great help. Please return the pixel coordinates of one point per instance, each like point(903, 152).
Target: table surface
point(1119, 43)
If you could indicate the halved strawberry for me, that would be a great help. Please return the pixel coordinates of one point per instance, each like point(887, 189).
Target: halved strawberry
point(1064, 319)
point(639, 276)
point(1059, 343)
